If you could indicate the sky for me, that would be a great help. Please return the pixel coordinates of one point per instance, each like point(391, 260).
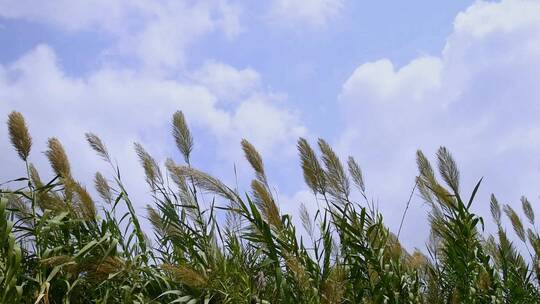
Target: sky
point(377, 79)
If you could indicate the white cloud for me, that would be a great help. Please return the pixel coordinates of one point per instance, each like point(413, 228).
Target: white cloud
point(123, 106)
point(157, 33)
point(70, 15)
point(227, 82)
point(314, 13)
point(480, 98)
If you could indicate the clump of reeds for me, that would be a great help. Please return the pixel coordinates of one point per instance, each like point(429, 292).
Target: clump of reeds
point(61, 245)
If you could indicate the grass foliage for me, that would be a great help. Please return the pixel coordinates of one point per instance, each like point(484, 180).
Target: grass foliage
point(61, 245)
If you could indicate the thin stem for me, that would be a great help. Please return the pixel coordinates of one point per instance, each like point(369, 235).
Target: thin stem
point(407, 206)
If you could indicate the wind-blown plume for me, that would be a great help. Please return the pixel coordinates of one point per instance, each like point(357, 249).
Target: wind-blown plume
point(86, 206)
point(448, 169)
point(527, 209)
point(356, 173)
point(516, 222)
point(182, 135)
point(338, 183)
point(19, 135)
point(312, 169)
point(103, 188)
point(202, 180)
point(98, 146)
point(58, 158)
point(150, 166)
point(495, 210)
point(255, 160)
point(266, 203)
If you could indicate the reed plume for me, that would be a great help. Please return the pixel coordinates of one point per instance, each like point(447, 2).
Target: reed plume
point(19, 135)
point(312, 169)
point(103, 188)
point(337, 181)
point(182, 135)
point(97, 145)
point(58, 158)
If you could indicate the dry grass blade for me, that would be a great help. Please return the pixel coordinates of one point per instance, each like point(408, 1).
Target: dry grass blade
point(19, 135)
point(182, 135)
point(58, 158)
point(313, 172)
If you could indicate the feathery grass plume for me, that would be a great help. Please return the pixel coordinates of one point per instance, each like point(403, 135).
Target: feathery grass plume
point(338, 183)
point(255, 160)
point(417, 260)
point(333, 290)
point(155, 219)
point(19, 135)
point(527, 209)
point(150, 166)
point(34, 176)
point(58, 158)
point(298, 271)
point(356, 174)
point(306, 219)
point(45, 199)
point(186, 275)
point(266, 203)
point(202, 180)
point(495, 209)
point(97, 145)
point(182, 135)
point(425, 178)
point(187, 197)
point(99, 272)
point(313, 172)
point(430, 190)
point(86, 203)
point(516, 222)
point(103, 188)
point(448, 169)
point(534, 239)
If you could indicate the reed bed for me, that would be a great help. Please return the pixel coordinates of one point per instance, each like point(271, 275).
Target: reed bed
point(61, 245)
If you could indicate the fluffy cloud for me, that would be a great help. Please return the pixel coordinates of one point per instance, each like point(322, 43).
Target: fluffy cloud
point(480, 98)
point(157, 33)
point(314, 13)
point(227, 82)
point(123, 106)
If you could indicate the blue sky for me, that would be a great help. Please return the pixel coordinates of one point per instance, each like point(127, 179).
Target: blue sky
point(377, 79)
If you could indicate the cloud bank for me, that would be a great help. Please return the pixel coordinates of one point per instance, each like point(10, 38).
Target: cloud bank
point(480, 98)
